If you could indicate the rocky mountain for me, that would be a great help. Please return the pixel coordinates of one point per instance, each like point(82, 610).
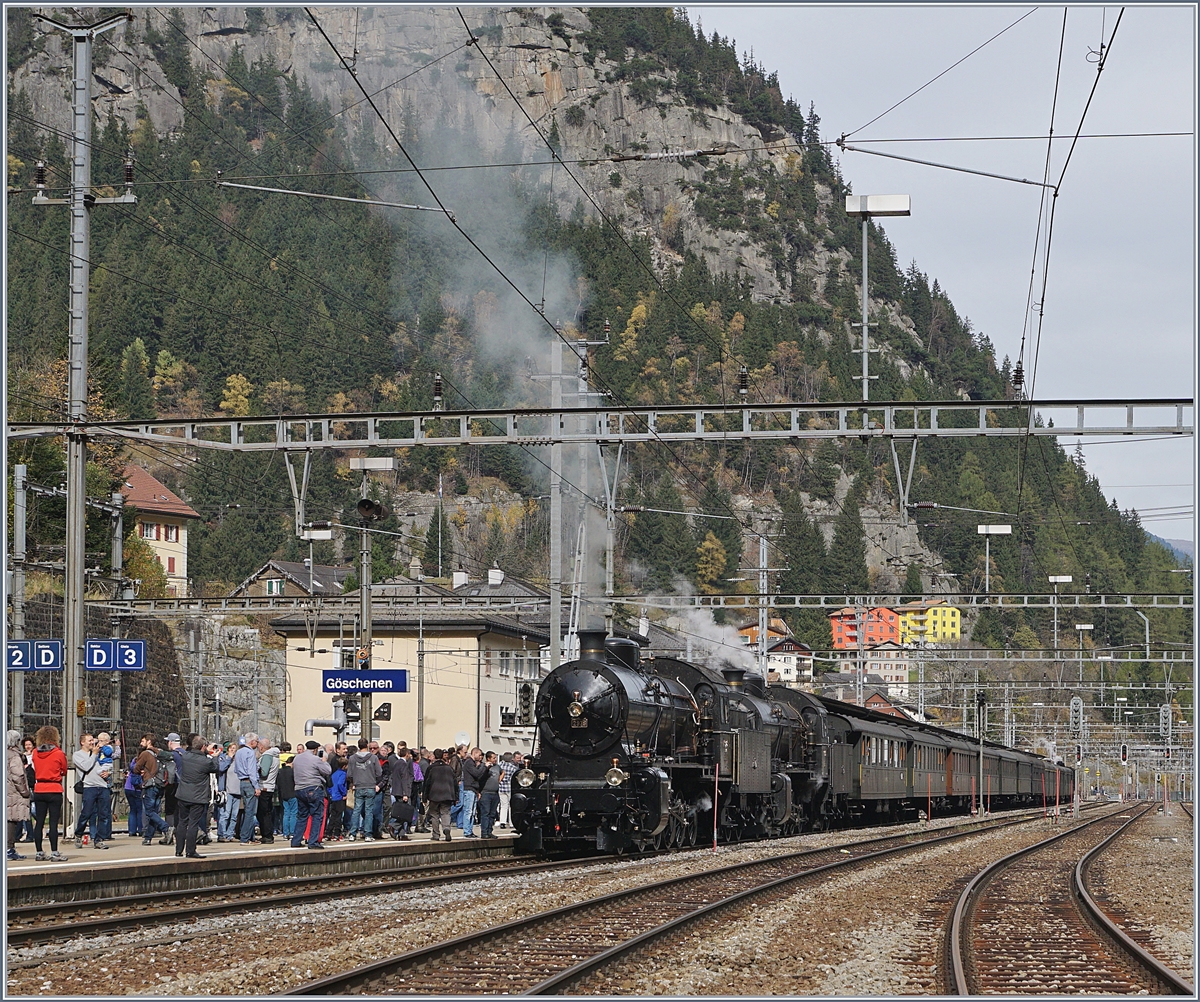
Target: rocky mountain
point(693, 211)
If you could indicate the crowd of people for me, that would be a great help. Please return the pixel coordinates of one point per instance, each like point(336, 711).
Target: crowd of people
point(187, 791)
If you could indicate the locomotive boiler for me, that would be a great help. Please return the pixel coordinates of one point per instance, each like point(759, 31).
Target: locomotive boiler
point(639, 754)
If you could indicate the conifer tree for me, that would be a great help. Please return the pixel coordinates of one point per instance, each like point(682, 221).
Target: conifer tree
point(848, 552)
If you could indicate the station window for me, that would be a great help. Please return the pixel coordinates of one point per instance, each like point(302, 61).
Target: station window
point(274, 585)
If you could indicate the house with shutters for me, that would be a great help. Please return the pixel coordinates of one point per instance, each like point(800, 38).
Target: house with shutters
point(162, 523)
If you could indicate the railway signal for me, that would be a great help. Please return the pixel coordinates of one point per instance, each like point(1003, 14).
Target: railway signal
point(1124, 753)
point(1078, 754)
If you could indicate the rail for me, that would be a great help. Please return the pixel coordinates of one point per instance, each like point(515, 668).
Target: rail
point(1110, 928)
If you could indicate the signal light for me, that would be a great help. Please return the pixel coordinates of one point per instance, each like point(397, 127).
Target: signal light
point(352, 708)
point(384, 712)
point(1167, 754)
point(1078, 754)
point(1124, 753)
point(372, 511)
point(525, 704)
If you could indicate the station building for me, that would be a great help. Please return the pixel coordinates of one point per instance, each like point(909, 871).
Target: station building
point(468, 681)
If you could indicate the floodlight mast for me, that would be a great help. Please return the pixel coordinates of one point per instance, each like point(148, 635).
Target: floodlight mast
point(866, 206)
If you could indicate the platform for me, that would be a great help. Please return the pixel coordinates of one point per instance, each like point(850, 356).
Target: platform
point(128, 866)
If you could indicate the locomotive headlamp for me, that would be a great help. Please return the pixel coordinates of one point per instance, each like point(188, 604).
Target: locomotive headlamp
point(615, 776)
point(575, 709)
point(524, 777)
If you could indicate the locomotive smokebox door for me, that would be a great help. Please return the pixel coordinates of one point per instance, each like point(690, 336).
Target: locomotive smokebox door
point(752, 765)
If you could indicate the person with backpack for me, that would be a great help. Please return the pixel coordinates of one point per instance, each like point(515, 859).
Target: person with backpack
point(133, 795)
point(268, 772)
point(147, 768)
point(287, 790)
point(337, 800)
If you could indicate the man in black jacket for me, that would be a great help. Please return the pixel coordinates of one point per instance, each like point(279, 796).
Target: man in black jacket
point(473, 777)
point(401, 813)
point(440, 791)
point(489, 798)
point(193, 794)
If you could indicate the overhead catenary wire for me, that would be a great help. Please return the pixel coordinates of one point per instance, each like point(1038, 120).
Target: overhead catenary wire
point(847, 135)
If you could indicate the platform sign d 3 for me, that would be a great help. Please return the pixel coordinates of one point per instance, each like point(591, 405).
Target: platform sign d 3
point(115, 655)
point(34, 655)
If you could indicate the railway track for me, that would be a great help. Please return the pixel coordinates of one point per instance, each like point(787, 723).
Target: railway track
point(1027, 925)
point(546, 953)
point(57, 921)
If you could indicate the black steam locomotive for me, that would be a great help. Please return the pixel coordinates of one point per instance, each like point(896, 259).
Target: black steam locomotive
point(634, 754)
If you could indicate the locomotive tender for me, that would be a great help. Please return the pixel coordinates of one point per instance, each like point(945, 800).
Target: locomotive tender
point(638, 754)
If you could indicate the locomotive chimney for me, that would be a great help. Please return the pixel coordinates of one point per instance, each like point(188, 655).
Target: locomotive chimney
point(591, 645)
point(755, 685)
point(736, 677)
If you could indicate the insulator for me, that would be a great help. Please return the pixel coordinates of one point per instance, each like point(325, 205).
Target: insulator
point(558, 326)
point(437, 391)
point(1018, 376)
point(40, 174)
point(607, 328)
point(743, 381)
point(128, 173)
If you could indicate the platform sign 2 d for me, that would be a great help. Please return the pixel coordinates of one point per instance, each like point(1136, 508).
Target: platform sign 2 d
point(34, 655)
point(347, 680)
point(115, 655)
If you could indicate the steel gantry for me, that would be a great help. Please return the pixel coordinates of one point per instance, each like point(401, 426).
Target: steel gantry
point(750, 601)
point(612, 425)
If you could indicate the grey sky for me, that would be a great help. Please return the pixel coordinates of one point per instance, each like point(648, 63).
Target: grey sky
point(1120, 304)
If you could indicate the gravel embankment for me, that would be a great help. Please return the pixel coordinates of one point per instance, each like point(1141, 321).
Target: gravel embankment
point(1147, 877)
point(878, 930)
point(294, 944)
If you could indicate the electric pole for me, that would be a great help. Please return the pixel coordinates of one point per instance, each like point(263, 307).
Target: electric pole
point(81, 200)
point(20, 506)
point(556, 396)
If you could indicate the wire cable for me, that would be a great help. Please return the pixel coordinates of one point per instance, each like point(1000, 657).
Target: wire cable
point(847, 135)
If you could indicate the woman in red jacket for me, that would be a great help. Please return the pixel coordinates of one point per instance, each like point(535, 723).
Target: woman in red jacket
point(49, 768)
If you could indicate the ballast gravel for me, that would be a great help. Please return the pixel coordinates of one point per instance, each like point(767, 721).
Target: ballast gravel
point(291, 945)
point(874, 930)
point(1147, 881)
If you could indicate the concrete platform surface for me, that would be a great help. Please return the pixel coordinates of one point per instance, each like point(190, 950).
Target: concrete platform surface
point(128, 866)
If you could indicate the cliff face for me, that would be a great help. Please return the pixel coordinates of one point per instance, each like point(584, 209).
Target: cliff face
point(542, 62)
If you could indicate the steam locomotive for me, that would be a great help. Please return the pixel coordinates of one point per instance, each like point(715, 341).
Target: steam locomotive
point(634, 754)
